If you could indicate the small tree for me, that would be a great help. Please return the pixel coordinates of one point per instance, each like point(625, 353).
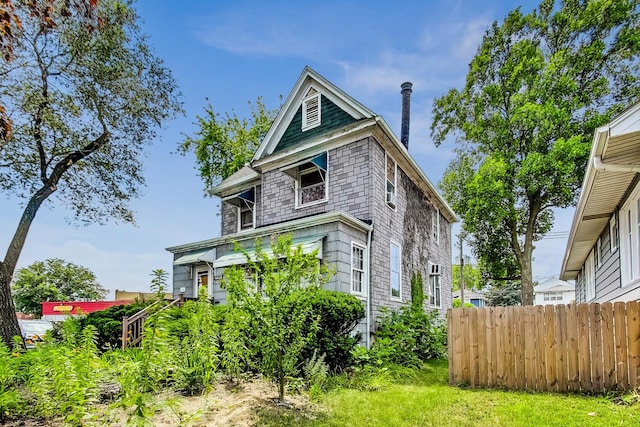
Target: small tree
point(266, 292)
point(54, 280)
point(159, 282)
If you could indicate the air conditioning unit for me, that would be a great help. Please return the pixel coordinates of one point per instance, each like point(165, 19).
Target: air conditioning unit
point(436, 269)
point(391, 198)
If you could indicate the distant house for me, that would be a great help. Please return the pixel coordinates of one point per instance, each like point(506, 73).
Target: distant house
point(332, 173)
point(554, 291)
point(603, 250)
point(477, 299)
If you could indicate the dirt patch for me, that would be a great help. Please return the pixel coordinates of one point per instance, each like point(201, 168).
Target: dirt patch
point(236, 405)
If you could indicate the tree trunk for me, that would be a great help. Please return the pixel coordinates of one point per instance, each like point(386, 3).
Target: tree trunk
point(526, 289)
point(8, 321)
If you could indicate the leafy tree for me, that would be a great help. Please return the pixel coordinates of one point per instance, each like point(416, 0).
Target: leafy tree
point(504, 294)
point(224, 144)
point(278, 314)
point(472, 277)
point(54, 280)
point(536, 89)
point(84, 103)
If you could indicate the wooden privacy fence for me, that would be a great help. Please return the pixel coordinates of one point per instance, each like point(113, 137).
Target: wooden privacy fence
point(583, 347)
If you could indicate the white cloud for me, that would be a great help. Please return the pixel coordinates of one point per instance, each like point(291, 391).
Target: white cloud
point(469, 36)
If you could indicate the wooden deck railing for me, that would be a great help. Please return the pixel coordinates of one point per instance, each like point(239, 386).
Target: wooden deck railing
point(133, 326)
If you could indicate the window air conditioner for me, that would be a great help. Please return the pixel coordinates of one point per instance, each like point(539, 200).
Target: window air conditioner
point(391, 198)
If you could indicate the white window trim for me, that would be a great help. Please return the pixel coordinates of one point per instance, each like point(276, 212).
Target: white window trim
point(253, 211)
point(298, 205)
point(434, 270)
point(393, 205)
point(435, 226)
point(598, 253)
point(363, 285)
point(394, 298)
point(306, 126)
point(589, 278)
point(613, 244)
point(629, 231)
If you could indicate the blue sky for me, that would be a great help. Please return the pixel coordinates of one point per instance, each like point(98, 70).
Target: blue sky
point(229, 53)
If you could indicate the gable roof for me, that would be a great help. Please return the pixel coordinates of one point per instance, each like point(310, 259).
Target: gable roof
point(613, 165)
point(308, 80)
point(553, 285)
point(354, 121)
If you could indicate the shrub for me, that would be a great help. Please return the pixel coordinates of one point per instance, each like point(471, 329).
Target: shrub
point(108, 323)
point(409, 336)
point(338, 313)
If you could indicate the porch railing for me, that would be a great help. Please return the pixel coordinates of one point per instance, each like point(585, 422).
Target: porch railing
point(133, 326)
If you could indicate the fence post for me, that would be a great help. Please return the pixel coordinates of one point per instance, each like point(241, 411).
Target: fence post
point(125, 331)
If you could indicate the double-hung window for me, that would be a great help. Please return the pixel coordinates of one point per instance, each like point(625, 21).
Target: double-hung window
point(245, 204)
point(629, 223)
point(357, 268)
point(435, 287)
point(395, 272)
point(391, 172)
point(435, 226)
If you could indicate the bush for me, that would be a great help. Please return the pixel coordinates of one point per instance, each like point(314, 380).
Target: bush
point(108, 323)
point(409, 337)
point(339, 313)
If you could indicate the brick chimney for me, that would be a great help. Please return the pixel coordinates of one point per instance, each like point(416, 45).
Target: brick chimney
point(406, 112)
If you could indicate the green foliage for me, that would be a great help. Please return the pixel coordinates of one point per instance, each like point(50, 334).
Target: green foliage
point(223, 145)
point(408, 337)
point(54, 280)
point(277, 313)
point(417, 291)
point(472, 277)
point(503, 294)
point(457, 303)
point(108, 323)
point(85, 102)
point(159, 282)
point(536, 89)
point(337, 315)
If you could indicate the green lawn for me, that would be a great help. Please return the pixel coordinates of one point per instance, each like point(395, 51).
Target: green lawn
point(428, 400)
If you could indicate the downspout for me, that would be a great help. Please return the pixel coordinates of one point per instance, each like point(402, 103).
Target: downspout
point(612, 167)
point(368, 284)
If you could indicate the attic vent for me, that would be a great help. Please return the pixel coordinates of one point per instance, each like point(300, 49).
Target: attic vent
point(311, 111)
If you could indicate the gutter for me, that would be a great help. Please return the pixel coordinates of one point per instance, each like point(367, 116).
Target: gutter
point(612, 167)
point(368, 284)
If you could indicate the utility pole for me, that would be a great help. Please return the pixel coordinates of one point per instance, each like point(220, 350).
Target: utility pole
point(461, 270)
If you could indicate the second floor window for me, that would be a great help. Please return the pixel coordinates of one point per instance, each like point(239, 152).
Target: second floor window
point(246, 219)
point(310, 177)
point(391, 170)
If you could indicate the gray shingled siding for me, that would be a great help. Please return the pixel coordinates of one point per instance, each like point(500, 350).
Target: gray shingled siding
point(182, 278)
point(229, 219)
point(416, 252)
point(349, 184)
point(336, 254)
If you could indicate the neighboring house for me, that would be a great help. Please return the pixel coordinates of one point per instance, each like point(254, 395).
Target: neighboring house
point(603, 251)
point(553, 292)
point(474, 298)
point(332, 173)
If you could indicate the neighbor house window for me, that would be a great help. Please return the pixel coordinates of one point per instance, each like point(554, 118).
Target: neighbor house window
point(435, 226)
point(391, 168)
point(630, 238)
point(589, 278)
point(311, 110)
point(435, 288)
point(357, 268)
point(553, 296)
point(395, 271)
